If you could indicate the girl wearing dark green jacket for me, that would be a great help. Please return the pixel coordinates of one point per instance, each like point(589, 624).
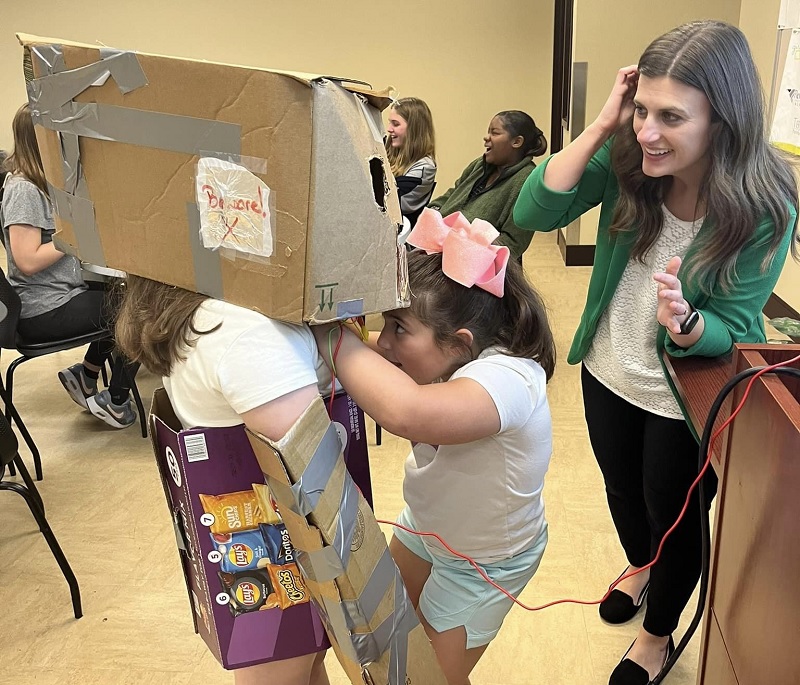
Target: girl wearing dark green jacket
point(489, 186)
point(697, 216)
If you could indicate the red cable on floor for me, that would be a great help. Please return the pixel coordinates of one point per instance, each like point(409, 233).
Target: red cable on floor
point(700, 475)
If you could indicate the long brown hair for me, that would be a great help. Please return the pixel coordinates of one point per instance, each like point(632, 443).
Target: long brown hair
point(155, 323)
point(516, 322)
point(747, 180)
point(420, 140)
point(25, 159)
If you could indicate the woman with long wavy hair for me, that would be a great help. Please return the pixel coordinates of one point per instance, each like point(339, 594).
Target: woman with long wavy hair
point(697, 215)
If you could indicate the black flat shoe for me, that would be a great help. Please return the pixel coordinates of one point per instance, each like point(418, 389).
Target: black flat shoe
point(629, 672)
point(619, 607)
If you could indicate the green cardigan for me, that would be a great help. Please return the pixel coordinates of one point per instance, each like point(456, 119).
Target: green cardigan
point(495, 205)
point(729, 317)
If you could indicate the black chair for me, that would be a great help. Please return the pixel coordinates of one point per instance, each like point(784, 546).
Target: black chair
point(9, 454)
point(11, 341)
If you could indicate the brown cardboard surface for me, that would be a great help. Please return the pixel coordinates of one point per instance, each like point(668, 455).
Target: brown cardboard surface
point(285, 462)
point(335, 248)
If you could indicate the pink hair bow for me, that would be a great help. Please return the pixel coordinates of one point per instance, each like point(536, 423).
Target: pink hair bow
point(468, 256)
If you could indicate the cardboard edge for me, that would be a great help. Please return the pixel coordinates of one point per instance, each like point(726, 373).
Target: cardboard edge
point(381, 99)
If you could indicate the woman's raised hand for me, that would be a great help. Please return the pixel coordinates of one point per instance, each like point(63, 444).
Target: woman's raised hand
point(619, 106)
point(672, 307)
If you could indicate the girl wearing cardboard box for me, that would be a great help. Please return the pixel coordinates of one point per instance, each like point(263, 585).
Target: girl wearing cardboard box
point(204, 350)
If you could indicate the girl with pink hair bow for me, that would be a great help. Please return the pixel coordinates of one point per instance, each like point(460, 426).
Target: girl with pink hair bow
point(461, 374)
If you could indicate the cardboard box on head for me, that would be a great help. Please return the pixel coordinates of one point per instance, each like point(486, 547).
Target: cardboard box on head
point(267, 189)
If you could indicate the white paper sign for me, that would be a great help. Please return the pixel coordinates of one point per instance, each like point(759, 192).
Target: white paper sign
point(234, 208)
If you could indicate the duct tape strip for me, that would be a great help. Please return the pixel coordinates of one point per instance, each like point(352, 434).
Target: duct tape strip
point(332, 615)
point(283, 494)
point(347, 519)
point(360, 613)
point(70, 161)
point(321, 565)
point(372, 116)
point(50, 93)
point(173, 132)
point(350, 309)
point(207, 267)
point(49, 58)
point(79, 212)
point(391, 635)
point(314, 479)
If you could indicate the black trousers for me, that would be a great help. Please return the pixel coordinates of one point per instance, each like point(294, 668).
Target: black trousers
point(87, 312)
point(648, 464)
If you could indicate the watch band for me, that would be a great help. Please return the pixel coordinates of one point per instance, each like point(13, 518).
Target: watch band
point(690, 321)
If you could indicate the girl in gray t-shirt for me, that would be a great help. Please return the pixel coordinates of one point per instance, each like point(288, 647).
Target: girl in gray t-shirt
point(56, 302)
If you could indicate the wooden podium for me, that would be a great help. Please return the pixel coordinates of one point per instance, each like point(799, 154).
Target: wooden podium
point(751, 626)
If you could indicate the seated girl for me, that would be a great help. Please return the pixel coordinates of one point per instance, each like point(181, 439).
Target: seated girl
point(489, 186)
point(411, 150)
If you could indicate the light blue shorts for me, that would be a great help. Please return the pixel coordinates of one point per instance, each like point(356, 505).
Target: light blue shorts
point(456, 595)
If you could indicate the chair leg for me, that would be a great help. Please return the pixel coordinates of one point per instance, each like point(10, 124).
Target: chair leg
point(12, 415)
point(55, 548)
point(104, 374)
point(29, 484)
point(378, 434)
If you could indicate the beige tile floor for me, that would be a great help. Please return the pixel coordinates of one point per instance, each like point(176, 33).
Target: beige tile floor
point(105, 504)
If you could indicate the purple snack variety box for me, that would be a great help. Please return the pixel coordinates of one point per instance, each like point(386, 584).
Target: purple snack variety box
point(249, 602)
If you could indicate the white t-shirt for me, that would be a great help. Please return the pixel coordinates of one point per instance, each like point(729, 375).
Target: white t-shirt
point(484, 498)
point(248, 361)
point(623, 354)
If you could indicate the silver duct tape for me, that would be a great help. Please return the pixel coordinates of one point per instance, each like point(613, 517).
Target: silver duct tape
point(49, 58)
point(50, 93)
point(283, 495)
point(79, 212)
point(330, 612)
point(314, 479)
point(207, 267)
point(372, 117)
point(173, 132)
point(321, 565)
point(391, 635)
point(361, 612)
point(350, 309)
point(70, 161)
point(347, 519)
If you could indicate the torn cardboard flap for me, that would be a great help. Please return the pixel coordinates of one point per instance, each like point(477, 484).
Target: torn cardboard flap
point(344, 558)
point(121, 134)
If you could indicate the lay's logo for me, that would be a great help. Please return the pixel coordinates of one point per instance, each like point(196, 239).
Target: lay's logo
point(248, 593)
point(240, 554)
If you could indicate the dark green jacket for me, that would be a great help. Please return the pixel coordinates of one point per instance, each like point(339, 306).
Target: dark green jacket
point(729, 317)
point(495, 205)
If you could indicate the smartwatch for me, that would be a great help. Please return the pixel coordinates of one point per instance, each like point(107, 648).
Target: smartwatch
point(690, 321)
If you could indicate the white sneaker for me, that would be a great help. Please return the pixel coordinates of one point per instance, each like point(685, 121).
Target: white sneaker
point(116, 415)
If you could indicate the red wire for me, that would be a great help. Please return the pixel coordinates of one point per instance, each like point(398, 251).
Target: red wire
point(700, 475)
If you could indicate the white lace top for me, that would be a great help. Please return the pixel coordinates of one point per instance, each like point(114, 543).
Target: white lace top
point(623, 355)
